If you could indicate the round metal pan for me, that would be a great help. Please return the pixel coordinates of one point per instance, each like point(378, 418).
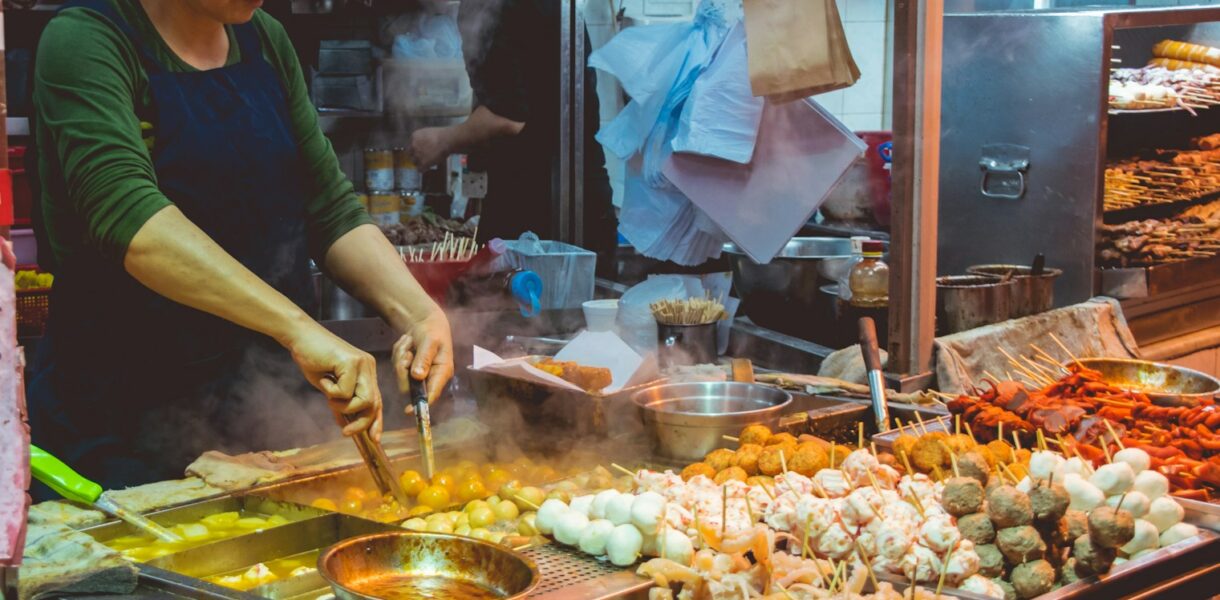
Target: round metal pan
point(1164, 384)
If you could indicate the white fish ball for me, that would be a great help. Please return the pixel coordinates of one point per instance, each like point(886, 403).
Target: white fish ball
point(593, 539)
point(618, 509)
point(597, 509)
point(548, 514)
point(1084, 495)
point(624, 544)
point(1146, 536)
point(1177, 533)
point(1138, 459)
point(1042, 464)
point(582, 504)
point(675, 546)
point(1134, 502)
point(1164, 512)
point(646, 511)
point(1152, 484)
point(1114, 478)
point(569, 526)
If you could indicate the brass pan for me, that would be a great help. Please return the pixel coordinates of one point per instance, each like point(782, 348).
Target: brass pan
point(1167, 385)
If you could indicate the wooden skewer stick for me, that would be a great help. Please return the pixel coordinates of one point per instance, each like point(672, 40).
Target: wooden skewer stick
point(724, 511)
point(860, 435)
point(783, 464)
point(805, 538)
point(1016, 442)
point(731, 438)
point(971, 434)
point(526, 502)
point(868, 565)
point(918, 505)
point(999, 431)
point(907, 462)
point(1013, 476)
point(1065, 350)
point(944, 568)
point(1041, 439)
point(1114, 434)
point(922, 426)
point(622, 469)
point(957, 424)
point(1106, 447)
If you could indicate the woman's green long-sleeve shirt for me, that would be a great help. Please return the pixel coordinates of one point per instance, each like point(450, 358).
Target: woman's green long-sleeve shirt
point(96, 130)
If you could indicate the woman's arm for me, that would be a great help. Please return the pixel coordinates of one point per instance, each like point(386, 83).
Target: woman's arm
point(176, 259)
point(365, 264)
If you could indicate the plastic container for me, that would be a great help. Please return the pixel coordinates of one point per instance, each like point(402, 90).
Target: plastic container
point(600, 315)
point(433, 87)
point(870, 278)
point(567, 271)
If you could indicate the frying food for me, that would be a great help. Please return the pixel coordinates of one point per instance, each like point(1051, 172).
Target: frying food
point(591, 379)
point(143, 547)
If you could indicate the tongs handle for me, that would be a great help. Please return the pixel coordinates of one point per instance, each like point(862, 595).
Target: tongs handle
point(379, 465)
point(423, 422)
point(872, 364)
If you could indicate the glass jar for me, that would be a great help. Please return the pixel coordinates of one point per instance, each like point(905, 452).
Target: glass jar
point(870, 278)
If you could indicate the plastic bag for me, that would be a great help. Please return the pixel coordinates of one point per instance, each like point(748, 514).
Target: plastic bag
point(635, 323)
point(432, 36)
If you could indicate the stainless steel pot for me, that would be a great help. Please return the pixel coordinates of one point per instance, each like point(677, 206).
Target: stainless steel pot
point(968, 301)
point(1164, 384)
point(783, 294)
point(1030, 295)
point(687, 420)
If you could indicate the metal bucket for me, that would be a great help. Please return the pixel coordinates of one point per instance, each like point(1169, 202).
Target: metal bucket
point(1030, 295)
point(968, 301)
point(687, 420)
point(686, 344)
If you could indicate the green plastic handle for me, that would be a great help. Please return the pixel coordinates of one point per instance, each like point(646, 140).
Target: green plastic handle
point(62, 478)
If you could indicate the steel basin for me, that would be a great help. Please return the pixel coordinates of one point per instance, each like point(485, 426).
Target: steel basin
point(687, 420)
point(1029, 295)
point(355, 566)
point(1163, 383)
point(783, 294)
point(968, 301)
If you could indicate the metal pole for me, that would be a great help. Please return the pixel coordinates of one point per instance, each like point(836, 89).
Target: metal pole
point(917, 74)
point(563, 199)
point(578, 127)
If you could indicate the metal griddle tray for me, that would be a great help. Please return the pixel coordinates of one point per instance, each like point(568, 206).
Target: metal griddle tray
point(193, 512)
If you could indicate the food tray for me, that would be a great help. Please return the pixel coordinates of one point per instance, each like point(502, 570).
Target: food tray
point(1157, 280)
point(189, 513)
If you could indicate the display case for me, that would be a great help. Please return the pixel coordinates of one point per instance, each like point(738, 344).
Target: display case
point(1027, 134)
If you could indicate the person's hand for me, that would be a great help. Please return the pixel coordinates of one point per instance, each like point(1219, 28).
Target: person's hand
point(429, 147)
point(426, 350)
point(346, 374)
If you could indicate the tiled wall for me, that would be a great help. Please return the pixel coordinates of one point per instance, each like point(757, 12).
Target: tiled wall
point(865, 105)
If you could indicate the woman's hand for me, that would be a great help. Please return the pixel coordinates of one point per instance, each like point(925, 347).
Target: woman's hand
point(346, 374)
point(430, 146)
point(426, 350)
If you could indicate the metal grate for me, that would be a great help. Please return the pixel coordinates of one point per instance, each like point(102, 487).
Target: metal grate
point(563, 567)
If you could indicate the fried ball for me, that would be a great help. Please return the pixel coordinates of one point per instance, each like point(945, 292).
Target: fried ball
point(736, 473)
point(971, 464)
point(986, 454)
point(1000, 450)
point(1023, 456)
point(698, 468)
point(962, 496)
point(719, 459)
point(806, 438)
point(977, 528)
point(959, 443)
point(929, 454)
point(809, 460)
point(762, 480)
point(840, 454)
point(755, 434)
point(769, 462)
point(1019, 470)
point(888, 460)
point(991, 561)
point(1020, 544)
point(1032, 579)
point(1049, 502)
point(1091, 559)
point(1110, 528)
point(905, 444)
point(784, 438)
point(746, 457)
point(1008, 507)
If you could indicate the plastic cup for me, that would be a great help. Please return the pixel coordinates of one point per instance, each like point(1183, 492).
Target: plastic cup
point(600, 314)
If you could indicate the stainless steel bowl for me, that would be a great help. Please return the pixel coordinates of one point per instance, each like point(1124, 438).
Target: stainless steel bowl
point(688, 420)
point(1164, 384)
point(783, 294)
point(410, 564)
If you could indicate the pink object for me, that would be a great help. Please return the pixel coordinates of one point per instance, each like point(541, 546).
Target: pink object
point(14, 433)
point(800, 154)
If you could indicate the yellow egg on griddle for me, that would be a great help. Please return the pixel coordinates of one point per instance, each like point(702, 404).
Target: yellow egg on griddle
point(325, 504)
point(251, 523)
point(224, 519)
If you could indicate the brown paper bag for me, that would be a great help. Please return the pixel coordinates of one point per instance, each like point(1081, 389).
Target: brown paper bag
point(797, 48)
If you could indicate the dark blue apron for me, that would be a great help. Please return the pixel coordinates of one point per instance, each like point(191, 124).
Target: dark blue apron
point(120, 366)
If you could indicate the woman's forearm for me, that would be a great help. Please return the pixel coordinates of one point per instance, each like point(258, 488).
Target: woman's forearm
point(174, 258)
point(365, 264)
point(481, 127)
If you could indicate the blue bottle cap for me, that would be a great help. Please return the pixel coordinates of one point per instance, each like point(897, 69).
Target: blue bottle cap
point(526, 288)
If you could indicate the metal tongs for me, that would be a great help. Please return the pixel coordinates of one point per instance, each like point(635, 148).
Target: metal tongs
point(419, 400)
point(71, 485)
point(379, 466)
point(872, 365)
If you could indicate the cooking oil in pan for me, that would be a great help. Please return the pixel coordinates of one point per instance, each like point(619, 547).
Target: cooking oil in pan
point(413, 587)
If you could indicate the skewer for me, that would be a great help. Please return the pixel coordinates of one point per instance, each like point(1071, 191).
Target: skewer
point(784, 591)
point(957, 424)
point(724, 510)
point(917, 503)
point(988, 375)
point(622, 470)
point(867, 563)
point(876, 486)
point(971, 435)
point(1041, 439)
point(860, 435)
point(922, 426)
point(731, 438)
point(944, 567)
point(526, 502)
point(999, 431)
point(1106, 447)
point(1016, 442)
point(783, 464)
point(1065, 350)
point(1013, 476)
point(907, 462)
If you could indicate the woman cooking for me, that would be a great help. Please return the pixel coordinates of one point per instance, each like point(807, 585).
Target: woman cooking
point(185, 185)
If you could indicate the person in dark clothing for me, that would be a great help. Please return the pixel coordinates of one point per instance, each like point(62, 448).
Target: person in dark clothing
point(512, 55)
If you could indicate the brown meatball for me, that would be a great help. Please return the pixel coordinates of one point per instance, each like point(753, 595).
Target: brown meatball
point(731, 473)
point(809, 460)
point(991, 561)
point(719, 459)
point(1070, 573)
point(929, 454)
point(1009, 592)
point(977, 528)
point(783, 438)
point(1000, 450)
point(1020, 544)
point(1032, 579)
point(905, 444)
point(984, 453)
point(962, 496)
point(1056, 533)
point(746, 457)
point(698, 468)
point(769, 462)
point(755, 434)
point(762, 480)
point(1077, 522)
point(1091, 559)
point(1009, 507)
point(1049, 502)
point(971, 464)
point(1110, 528)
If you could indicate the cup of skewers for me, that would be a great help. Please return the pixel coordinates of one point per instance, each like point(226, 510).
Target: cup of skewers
point(437, 265)
point(686, 330)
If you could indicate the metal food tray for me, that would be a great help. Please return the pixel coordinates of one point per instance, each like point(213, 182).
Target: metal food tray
point(1157, 280)
point(189, 513)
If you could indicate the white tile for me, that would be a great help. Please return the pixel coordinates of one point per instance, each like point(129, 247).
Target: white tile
point(862, 122)
point(858, 11)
